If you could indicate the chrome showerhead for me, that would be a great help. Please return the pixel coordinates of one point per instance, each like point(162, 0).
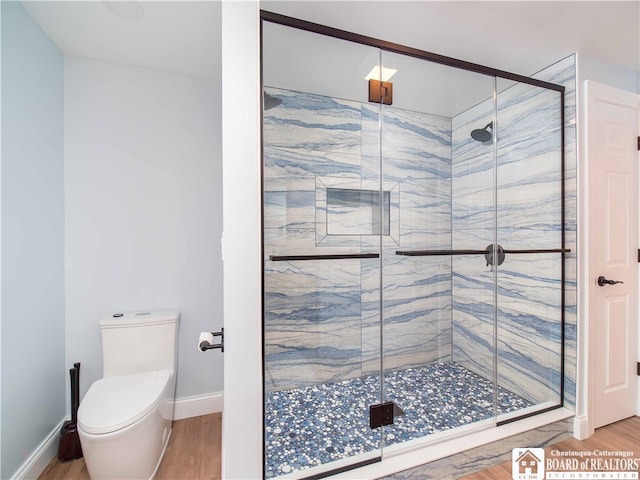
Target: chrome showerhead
point(483, 135)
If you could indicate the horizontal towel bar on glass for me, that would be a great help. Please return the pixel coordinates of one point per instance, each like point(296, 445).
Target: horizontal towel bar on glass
point(289, 258)
point(427, 253)
point(542, 250)
point(424, 253)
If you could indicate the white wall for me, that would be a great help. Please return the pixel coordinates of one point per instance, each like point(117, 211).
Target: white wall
point(143, 209)
point(33, 369)
point(242, 426)
point(602, 72)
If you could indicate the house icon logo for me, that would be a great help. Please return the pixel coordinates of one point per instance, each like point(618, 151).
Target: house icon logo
point(527, 463)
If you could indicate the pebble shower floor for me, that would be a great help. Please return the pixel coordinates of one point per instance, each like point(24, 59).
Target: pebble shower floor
point(309, 426)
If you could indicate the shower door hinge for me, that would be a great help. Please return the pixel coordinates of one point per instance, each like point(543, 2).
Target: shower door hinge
point(380, 92)
point(383, 414)
point(639, 255)
point(638, 369)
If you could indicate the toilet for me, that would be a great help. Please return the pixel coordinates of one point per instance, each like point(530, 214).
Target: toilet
point(124, 420)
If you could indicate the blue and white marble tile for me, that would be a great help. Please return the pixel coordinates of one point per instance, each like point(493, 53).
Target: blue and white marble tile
point(313, 122)
point(472, 214)
point(472, 277)
point(529, 358)
point(371, 138)
point(289, 203)
point(473, 335)
point(422, 142)
point(464, 149)
point(526, 114)
point(495, 453)
point(528, 348)
point(528, 300)
point(312, 322)
point(570, 367)
point(563, 73)
point(531, 283)
point(439, 470)
point(425, 204)
point(416, 158)
point(313, 138)
point(287, 162)
point(372, 334)
point(417, 310)
point(436, 238)
point(478, 238)
point(528, 217)
point(420, 139)
point(294, 241)
point(398, 169)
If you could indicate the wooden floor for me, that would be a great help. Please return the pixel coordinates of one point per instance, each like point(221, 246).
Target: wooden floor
point(193, 454)
point(194, 451)
point(619, 436)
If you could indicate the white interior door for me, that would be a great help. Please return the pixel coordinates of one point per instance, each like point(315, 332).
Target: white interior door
point(612, 162)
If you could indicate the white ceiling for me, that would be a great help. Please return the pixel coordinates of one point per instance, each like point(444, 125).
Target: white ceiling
point(517, 36)
point(178, 36)
point(337, 69)
point(521, 37)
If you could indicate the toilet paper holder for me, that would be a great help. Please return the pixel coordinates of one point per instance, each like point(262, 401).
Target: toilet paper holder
point(206, 345)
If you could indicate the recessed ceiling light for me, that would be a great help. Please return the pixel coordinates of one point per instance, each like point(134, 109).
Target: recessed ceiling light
point(387, 73)
point(124, 8)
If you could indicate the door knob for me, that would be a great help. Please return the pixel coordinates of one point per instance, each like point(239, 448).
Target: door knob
point(602, 281)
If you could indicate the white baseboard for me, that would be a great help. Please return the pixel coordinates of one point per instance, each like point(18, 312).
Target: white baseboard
point(41, 456)
point(187, 407)
point(581, 428)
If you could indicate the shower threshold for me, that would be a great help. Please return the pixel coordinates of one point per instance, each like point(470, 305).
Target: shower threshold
point(314, 425)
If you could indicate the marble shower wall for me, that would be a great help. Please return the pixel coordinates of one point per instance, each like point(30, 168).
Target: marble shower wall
point(322, 318)
point(417, 290)
point(528, 216)
point(321, 177)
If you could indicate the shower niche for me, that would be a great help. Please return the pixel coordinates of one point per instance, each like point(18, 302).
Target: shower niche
point(379, 296)
point(357, 212)
point(346, 208)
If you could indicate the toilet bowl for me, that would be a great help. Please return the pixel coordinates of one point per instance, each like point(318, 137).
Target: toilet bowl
point(124, 420)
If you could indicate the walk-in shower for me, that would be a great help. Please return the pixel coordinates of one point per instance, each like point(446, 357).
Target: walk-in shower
point(413, 260)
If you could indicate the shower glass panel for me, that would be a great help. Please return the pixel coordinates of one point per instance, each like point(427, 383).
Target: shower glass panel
point(429, 337)
point(529, 228)
point(413, 233)
point(325, 213)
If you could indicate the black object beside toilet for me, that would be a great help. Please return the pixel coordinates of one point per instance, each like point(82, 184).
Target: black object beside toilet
point(69, 447)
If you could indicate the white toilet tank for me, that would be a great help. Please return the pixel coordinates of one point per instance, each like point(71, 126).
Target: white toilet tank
point(140, 342)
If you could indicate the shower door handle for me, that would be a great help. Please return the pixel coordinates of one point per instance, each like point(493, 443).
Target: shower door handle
point(602, 281)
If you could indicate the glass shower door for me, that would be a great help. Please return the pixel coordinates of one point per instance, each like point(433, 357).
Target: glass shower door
point(530, 231)
point(323, 216)
point(438, 288)
point(413, 249)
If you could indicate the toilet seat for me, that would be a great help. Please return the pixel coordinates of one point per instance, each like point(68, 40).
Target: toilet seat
point(114, 403)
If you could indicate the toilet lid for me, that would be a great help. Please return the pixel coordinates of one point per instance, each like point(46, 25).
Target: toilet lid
point(116, 402)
